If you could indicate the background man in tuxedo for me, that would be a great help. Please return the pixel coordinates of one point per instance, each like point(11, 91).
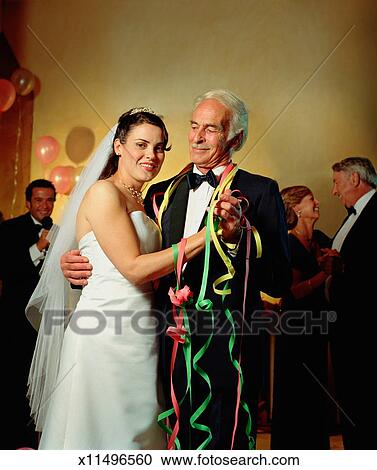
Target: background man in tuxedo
point(352, 290)
point(219, 126)
point(23, 245)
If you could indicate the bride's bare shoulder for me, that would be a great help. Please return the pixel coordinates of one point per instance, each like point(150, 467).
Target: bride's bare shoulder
point(103, 185)
point(103, 189)
point(103, 194)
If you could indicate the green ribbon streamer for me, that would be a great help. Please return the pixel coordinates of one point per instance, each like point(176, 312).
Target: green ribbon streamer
point(238, 368)
point(203, 304)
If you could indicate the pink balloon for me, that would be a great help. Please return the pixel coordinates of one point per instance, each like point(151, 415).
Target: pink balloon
point(78, 171)
point(7, 94)
point(63, 178)
point(47, 149)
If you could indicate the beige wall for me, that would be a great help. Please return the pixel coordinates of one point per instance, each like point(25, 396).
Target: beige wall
point(306, 68)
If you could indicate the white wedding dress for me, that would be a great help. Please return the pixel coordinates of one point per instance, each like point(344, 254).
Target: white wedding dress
point(106, 392)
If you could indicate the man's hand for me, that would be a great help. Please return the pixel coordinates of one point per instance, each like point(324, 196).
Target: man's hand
point(229, 210)
point(76, 268)
point(330, 261)
point(43, 243)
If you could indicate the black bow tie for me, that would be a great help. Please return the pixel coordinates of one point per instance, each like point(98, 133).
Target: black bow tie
point(351, 210)
point(38, 227)
point(194, 179)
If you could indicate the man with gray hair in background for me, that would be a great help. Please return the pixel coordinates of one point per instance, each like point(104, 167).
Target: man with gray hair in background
point(351, 289)
point(202, 385)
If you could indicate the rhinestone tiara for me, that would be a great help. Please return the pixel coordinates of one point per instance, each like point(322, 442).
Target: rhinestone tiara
point(142, 110)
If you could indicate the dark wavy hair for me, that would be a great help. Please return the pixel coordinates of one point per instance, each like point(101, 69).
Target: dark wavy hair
point(293, 195)
point(40, 183)
point(126, 122)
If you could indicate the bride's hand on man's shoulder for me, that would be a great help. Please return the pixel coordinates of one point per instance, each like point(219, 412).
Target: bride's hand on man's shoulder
point(76, 268)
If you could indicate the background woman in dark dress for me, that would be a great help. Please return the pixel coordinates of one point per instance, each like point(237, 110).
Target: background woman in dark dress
point(300, 402)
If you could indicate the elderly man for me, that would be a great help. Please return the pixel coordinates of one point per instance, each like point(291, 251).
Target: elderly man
point(351, 291)
point(202, 378)
point(23, 246)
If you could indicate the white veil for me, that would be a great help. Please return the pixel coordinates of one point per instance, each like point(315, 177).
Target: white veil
point(49, 306)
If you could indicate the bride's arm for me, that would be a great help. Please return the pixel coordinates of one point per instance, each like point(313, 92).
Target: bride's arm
point(105, 210)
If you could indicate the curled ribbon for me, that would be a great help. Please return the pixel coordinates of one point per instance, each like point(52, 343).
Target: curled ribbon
point(180, 296)
point(177, 334)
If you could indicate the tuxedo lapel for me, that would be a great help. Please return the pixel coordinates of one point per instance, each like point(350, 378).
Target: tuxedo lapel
point(336, 233)
point(30, 232)
point(361, 225)
point(173, 221)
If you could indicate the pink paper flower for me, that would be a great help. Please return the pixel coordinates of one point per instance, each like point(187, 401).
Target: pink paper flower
point(180, 296)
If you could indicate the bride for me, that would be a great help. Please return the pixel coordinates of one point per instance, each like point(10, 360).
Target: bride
point(94, 384)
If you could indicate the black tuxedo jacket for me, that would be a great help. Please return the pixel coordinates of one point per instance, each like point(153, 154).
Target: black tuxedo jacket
point(18, 272)
point(353, 334)
point(271, 273)
point(353, 289)
point(20, 277)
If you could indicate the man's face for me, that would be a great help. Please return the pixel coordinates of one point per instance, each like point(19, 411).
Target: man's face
point(41, 203)
point(343, 188)
point(208, 134)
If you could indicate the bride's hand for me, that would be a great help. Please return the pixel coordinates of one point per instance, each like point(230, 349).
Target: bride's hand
point(76, 268)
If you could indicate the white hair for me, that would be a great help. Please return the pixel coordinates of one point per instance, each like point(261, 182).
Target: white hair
point(361, 165)
point(239, 120)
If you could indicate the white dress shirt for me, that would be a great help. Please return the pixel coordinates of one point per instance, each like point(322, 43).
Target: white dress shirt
point(198, 203)
point(344, 230)
point(36, 255)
